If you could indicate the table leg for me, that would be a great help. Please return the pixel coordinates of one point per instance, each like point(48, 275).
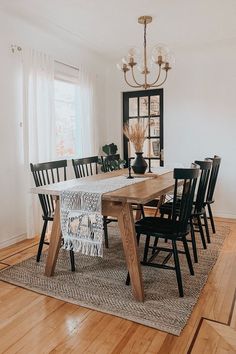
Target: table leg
point(55, 242)
point(126, 225)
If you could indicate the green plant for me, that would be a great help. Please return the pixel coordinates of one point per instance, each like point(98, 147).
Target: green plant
point(110, 149)
point(108, 164)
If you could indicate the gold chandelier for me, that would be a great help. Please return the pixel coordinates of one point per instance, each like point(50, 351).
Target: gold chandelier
point(161, 56)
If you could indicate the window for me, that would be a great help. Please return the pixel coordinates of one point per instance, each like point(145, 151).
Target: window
point(65, 110)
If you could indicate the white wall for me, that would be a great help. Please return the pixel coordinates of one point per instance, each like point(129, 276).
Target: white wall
point(199, 113)
point(15, 31)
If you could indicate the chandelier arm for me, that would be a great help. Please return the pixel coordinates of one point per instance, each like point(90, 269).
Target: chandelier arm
point(158, 76)
point(129, 83)
point(132, 71)
point(162, 81)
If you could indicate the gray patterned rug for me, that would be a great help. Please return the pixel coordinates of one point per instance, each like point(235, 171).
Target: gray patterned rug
point(99, 283)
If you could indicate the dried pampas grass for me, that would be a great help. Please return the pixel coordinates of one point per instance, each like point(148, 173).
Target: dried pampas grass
point(136, 133)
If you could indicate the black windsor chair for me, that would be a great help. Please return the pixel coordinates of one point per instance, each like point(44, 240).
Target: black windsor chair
point(198, 211)
point(46, 173)
point(85, 167)
point(216, 160)
point(175, 228)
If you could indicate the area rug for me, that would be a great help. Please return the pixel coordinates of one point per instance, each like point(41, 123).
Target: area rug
point(99, 283)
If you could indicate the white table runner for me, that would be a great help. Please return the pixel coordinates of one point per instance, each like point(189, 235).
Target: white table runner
point(81, 218)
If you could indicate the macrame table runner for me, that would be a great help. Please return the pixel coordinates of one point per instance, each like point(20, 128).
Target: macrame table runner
point(81, 218)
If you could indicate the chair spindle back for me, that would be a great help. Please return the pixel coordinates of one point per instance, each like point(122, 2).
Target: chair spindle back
point(46, 173)
point(85, 167)
point(185, 184)
point(216, 160)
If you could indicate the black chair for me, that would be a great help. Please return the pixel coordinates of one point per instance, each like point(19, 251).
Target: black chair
point(216, 160)
point(175, 228)
point(198, 211)
point(85, 167)
point(46, 173)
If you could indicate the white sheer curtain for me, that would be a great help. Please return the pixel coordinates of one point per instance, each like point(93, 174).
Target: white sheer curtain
point(86, 117)
point(39, 121)
point(38, 124)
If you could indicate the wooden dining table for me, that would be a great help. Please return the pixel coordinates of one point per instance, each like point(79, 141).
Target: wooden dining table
point(117, 204)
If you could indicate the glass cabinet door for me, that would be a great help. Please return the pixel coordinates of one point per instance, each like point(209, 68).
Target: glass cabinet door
point(146, 106)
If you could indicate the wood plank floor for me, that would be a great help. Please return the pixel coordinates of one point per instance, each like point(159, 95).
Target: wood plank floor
point(32, 323)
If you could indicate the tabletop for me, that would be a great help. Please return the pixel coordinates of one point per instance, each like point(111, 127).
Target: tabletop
point(141, 193)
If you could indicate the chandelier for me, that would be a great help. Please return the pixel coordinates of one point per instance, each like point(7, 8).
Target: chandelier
point(161, 56)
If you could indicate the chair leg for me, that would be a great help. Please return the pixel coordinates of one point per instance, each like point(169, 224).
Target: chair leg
point(142, 210)
point(177, 268)
point(127, 282)
point(146, 248)
point(186, 249)
point(105, 231)
point(201, 232)
point(155, 244)
point(41, 242)
point(211, 218)
point(72, 260)
point(193, 239)
point(206, 227)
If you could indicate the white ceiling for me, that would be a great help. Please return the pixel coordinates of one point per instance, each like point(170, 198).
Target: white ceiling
point(110, 27)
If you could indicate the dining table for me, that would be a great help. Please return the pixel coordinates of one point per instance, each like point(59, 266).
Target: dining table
point(118, 204)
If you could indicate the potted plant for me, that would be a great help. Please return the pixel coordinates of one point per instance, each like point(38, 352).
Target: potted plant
point(112, 161)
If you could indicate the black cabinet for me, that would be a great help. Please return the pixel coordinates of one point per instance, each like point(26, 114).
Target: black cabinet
point(146, 105)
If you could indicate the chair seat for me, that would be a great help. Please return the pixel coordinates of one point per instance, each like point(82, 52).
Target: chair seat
point(49, 216)
point(160, 227)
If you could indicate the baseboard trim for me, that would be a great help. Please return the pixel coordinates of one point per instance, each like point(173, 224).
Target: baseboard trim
point(12, 240)
point(220, 214)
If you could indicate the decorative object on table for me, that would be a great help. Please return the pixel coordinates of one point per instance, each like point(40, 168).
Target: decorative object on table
point(140, 165)
point(137, 134)
point(112, 161)
point(81, 214)
point(161, 56)
point(129, 168)
point(99, 283)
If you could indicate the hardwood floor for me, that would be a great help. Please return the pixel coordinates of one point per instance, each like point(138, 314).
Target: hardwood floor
point(32, 323)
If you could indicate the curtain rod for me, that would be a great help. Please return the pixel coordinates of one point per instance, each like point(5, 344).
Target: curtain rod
point(15, 47)
point(70, 66)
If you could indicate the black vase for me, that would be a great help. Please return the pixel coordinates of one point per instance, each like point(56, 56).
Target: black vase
point(140, 165)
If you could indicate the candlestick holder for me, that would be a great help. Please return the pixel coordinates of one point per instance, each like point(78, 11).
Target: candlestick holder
point(149, 167)
point(129, 168)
